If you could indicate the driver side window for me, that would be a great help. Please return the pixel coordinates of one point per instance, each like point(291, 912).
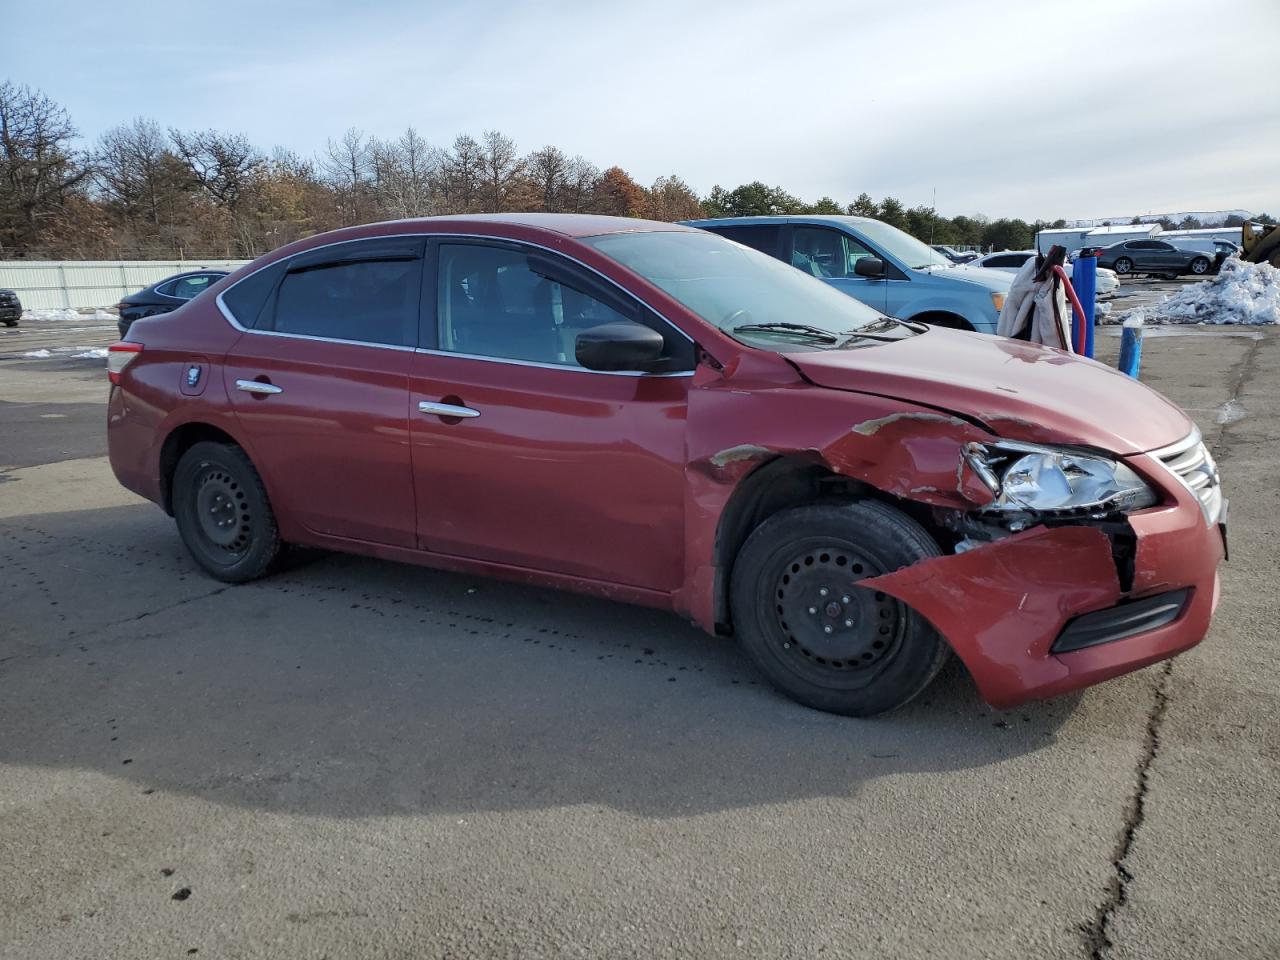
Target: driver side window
point(826, 253)
point(492, 301)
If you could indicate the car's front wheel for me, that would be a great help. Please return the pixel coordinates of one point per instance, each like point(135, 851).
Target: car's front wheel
point(815, 634)
point(223, 514)
point(1200, 266)
point(1123, 265)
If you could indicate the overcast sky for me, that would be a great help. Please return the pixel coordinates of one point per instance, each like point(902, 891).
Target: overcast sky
point(1071, 109)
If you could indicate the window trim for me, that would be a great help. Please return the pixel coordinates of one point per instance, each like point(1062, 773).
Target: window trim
point(429, 269)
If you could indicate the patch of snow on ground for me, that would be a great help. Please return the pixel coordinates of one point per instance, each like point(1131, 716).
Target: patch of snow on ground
point(1241, 293)
point(81, 352)
point(38, 354)
point(97, 353)
point(68, 313)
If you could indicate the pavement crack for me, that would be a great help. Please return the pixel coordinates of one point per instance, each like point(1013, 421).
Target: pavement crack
point(1097, 933)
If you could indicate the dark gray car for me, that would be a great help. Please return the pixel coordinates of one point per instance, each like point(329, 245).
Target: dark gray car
point(1153, 256)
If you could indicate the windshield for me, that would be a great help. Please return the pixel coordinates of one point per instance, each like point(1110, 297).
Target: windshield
point(901, 246)
point(747, 294)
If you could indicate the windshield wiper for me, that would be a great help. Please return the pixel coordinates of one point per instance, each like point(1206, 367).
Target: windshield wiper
point(796, 329)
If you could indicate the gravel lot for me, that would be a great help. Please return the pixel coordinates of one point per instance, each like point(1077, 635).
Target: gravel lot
point(358, 758)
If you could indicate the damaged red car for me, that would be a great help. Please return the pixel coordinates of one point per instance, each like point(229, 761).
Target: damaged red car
point(655, 414)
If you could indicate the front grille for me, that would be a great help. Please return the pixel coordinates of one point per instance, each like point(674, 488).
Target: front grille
point(1190, 462)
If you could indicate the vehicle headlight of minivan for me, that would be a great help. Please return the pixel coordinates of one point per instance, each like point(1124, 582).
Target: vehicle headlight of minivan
point(997, 300)
point(1049, 480)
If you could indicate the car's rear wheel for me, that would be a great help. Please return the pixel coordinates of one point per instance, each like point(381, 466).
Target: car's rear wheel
point(1200, 266)
point(1123, 265)
point(11, 323)
point(223, 514)
point(814, 633)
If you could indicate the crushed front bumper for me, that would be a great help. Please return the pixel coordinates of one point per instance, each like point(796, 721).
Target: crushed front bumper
point(1004, 607)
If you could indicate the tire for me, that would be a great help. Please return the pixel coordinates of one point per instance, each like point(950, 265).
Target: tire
point(1123, 265)
point(1200, 266)
point(223, 514)
point(11, 323)
point(848, 650)
point(1171, 275)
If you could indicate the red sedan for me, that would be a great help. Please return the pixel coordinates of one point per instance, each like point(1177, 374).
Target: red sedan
point(655, 414)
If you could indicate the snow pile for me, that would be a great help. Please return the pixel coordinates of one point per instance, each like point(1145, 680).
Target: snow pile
point(97, 353)
point(75, 353)
point(38, 354)
point(1241, 293)
point(69, 313)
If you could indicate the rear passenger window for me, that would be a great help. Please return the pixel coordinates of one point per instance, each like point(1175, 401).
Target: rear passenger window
point(370, 295)
point(246, 299)
point(763, 237)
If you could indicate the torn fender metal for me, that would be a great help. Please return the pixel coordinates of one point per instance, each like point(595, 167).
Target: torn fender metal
point(1001, 606)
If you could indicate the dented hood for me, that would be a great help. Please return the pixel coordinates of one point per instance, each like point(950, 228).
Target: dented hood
point(1021, 391)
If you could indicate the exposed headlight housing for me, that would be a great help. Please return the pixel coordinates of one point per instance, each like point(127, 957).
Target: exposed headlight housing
point(1029, 478)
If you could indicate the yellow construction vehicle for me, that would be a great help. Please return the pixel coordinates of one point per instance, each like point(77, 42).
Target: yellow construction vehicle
point(1261, 242)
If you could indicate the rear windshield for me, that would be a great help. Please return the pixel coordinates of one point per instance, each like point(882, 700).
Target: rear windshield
point(732, 287)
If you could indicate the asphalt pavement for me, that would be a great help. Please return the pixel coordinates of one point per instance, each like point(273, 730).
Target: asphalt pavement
point(356, 758)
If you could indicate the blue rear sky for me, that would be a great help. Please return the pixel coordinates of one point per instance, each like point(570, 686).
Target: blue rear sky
point(1083, 109)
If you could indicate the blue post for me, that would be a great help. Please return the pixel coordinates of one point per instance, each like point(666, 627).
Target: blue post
point(1131, 346)
point(1084, 277)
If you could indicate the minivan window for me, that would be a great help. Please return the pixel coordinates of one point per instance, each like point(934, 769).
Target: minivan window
point(764, 237)
point(901, 246)
point(734, 287)
point(365, 300)
point(823, 252)
point(493, 302)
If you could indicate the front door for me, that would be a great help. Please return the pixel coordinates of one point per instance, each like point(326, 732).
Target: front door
point(521, 456)
point(831, 255)
point(320, 387)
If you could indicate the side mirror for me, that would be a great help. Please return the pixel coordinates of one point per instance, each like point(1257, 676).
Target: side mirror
point(624, 345)
point(872, 267)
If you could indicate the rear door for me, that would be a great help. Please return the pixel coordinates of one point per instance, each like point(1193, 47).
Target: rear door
point(319, 383)
point(521, 456)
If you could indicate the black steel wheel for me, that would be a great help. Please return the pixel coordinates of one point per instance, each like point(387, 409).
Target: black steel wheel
point(815, 633)
point(223, 514)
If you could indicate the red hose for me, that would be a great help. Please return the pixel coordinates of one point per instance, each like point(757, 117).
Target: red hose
point(1077, 324)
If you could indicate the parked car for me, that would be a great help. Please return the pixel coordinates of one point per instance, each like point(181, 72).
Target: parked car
point(1011, 261)
point(169, 294)
point(888, 270)
point(651, 413)
point(1154, 257)
point(954, 255)
point(10, 308)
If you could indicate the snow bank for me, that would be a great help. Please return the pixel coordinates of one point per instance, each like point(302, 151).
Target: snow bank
point(1241, 293)
point(97, 353)
point(41, 316)
point(38, 354)
point(75, 353)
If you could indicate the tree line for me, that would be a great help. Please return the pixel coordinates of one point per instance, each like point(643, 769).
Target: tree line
point(142, 191)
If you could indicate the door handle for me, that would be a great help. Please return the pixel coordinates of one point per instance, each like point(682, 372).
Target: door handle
point(446, 409)
point(258, 387)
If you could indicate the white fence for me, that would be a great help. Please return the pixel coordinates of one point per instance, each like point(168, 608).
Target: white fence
point(47, 284)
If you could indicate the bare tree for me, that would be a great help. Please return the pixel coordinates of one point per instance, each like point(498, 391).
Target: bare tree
point(580, 184)
point(347, 165)
point(502, 172)
point(137, 171)
point(39, 168)
point(462, 174)
point(548, 173)
point(407, 171)
point(224, 164)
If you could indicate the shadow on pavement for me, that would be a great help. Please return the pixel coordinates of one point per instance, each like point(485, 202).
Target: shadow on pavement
point(351, 687)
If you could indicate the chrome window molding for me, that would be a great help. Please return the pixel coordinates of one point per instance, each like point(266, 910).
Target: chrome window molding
point(230, 317)
point(564, 367)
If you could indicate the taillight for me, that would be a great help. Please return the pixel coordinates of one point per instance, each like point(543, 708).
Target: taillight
point(119, 356)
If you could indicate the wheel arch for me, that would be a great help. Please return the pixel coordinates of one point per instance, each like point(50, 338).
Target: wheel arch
point(778, 484)
point(181, 439)
point(943, 318)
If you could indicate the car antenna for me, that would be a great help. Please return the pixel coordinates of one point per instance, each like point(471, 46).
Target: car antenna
point(933, 215)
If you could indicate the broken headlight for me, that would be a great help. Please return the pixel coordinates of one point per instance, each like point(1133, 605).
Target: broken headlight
point(1048, 480)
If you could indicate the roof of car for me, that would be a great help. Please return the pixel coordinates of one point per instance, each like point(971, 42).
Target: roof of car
point(835, 219)
point(569, 224)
